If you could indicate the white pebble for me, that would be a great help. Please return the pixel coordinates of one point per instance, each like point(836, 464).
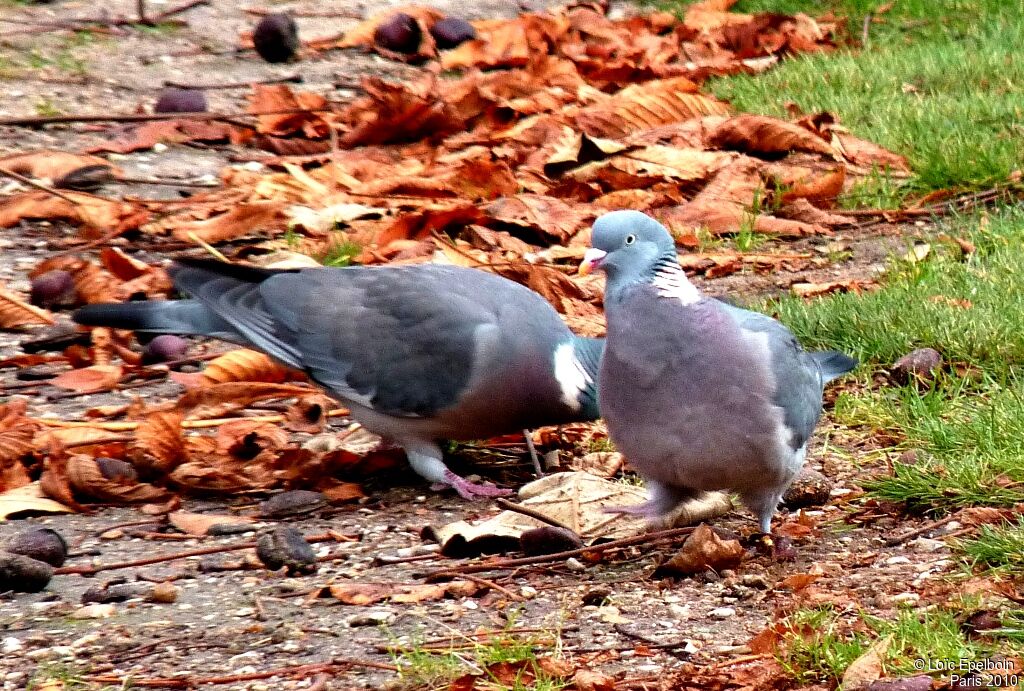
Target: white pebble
point(906, 599)
point(892, 561)
point(722, 612)
point(11, 645)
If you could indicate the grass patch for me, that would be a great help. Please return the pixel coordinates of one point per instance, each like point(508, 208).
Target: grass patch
point(824, 642)
point(937, 82)
point(509, 660)
point(999, 548)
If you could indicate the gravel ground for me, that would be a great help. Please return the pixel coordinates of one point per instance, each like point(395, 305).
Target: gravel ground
point(249, 620)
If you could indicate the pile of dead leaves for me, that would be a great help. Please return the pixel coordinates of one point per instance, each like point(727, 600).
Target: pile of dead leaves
point(552, 119)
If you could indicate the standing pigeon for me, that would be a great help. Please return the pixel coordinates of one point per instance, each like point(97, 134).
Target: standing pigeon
point(699, 395)
point(418, 353)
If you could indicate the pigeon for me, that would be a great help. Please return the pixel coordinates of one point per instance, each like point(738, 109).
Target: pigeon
point(418, 353)
point(698, 394)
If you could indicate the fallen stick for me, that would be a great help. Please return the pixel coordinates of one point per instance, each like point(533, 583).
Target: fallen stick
point(333, 667)
point(39, 120)
point(646, 538)
point(132, 425)
point(290, 79)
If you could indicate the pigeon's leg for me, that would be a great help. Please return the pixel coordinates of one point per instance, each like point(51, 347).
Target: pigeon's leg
point(663, 498)
point(426, 459)
point(763, 504)
point(533, 453)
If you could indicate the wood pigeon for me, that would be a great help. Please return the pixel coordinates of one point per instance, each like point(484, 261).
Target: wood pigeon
point(418, 353)
point(698, 394)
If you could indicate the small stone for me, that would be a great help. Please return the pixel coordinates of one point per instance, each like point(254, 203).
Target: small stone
point(94, 611)
point(115, 534)
point(164, 592)
point(755, 580)
point(574, 564)
point(906, 599)
point(370, 619)
point(292, 503)
point(810, 488)
point(919, 683)
point(596, 596)
point(722, 613)
point(22, 574)
point(11, 645)
point(43, 544)
point(900, 559)
point(285, 547)
point(528, 592)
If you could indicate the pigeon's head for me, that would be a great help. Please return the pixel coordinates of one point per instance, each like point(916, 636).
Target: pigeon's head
point(627, 243)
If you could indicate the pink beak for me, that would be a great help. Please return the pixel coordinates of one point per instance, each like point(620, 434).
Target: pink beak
point(591, 261)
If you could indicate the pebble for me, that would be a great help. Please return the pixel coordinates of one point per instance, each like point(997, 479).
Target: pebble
point(574, 564)
point(11, 645)
point(528, 591)
point(892, 561)
point(906, 599)
point(370, 619)
point(722, 612)
point(94, 611)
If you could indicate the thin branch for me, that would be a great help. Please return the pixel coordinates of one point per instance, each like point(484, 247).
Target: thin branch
point(646, 538)
point(290, 79)
point(532, 513)
point(38, 185)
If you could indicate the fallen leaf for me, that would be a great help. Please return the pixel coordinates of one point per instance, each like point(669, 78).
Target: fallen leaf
point(28, 500)
point(703, 551)
point(89, 379)
point(200, 523)
point(15, 312)
point(868, 667)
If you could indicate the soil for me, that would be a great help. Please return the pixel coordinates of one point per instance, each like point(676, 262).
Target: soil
point(250, 620)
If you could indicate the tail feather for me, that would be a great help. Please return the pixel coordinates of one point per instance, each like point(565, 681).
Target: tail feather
point(183, 317)
point(832, 364)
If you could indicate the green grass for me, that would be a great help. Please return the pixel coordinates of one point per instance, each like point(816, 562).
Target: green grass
point(420, 667)
point(825, 642)
point(938, 82)
point(999, 548)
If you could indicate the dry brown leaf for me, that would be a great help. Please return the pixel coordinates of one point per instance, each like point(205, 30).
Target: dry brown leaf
point(268, 98)
point(704, 550)
point(853, 285)
point(89, 379)
point(798, 581)
point(159, 444)
point(87, 480)
point(393, 112)
point(250, 441)
point(761, 134)
point(121, 265)
point(200, 523)
point(361, 593)
point(217, 399)
point(148, 134)
point(28, 500)
point(824, 188)
point(651, 165)
point(54, 481)
point(15, 312)
point(648, 105)
point(246, 365)
point(239, 221)
point(864, 153)
point(361, 35)
point(507, 42)
point(547, 218)
point(308, 413)
point(202, 477)
point(868, 667)
point(49, 164)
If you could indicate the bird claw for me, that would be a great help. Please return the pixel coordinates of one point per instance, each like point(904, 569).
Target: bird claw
point(471, 490)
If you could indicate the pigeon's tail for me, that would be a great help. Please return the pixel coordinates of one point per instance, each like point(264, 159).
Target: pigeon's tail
point(833, 364)
point(183, 317)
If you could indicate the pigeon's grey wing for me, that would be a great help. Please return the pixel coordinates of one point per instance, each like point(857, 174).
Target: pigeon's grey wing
point(404, 341)
point(798, 378)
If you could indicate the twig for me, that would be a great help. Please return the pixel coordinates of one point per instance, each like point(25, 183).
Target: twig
point(310, 14)
point(92, 442)
point(533, 453)
point(290, 79)
point(131, 425)
point(532, 513)
point(90, 569)
point(140, 8)
point(865, 38)
point(170, 183)
point(651, 643)
point(910, 534)
point(131, 524)
point(493, 586)
point(646, 538)
point(177, 9)
point(37, 121)
point(38, 185)
point(334, 666)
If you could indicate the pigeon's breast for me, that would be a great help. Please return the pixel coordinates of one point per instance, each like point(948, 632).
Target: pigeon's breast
point(688, 397)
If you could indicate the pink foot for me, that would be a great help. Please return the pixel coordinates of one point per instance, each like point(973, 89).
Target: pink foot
point(471, 490)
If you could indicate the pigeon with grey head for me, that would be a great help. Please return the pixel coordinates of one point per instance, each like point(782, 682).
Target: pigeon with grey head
point(418, 353)
point(698, 394)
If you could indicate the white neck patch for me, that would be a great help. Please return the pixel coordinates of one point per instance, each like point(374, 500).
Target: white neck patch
point(671, 282)
point(572, 378)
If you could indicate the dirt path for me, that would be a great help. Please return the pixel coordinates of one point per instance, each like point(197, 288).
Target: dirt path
point(248, 620)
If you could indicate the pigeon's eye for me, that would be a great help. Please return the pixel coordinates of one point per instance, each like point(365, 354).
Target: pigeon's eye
point(630, 239)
